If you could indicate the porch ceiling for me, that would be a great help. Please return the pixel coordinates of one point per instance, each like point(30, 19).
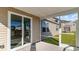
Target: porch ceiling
point(44, 11)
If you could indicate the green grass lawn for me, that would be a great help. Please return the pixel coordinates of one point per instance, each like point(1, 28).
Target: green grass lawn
point(66, 39)
point(51, 40)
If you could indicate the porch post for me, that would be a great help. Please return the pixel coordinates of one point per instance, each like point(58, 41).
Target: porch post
point(60, 32)
point(77, 34)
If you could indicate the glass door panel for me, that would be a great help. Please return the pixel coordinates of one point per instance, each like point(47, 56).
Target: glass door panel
point(27, 31)
point(16, 31)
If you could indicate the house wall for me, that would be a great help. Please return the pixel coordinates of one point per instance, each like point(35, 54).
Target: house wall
point(71, 25)
point(73, 28)
point(4, 25)
point(3, 28)
point(52, 28)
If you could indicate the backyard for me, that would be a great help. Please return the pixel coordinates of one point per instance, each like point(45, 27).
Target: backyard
point(67, 38)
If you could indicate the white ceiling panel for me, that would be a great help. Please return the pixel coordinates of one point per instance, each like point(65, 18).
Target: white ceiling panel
point(43, 11)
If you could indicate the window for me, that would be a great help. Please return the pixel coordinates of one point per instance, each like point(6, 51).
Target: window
point(43, 29)
point(56, 20)
point(56, 29)
point(45, 26)
point(47, 29)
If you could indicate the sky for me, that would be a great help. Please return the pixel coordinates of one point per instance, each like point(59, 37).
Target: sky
point(14, 23)
point(70, 17)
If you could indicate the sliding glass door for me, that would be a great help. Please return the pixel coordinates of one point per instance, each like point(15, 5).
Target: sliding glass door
point(26, 30)
point(20, 30)
point(16, 30)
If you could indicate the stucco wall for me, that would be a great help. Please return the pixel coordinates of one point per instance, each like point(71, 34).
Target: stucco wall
point(4, 26)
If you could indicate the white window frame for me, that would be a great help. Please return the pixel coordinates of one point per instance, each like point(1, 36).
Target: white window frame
point(9, 31)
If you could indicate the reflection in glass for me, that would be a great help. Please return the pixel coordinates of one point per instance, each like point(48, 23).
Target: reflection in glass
point(16, 30)
point(26, 30)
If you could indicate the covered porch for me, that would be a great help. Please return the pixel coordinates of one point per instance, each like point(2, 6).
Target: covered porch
point(24, 29)
point(47, 13)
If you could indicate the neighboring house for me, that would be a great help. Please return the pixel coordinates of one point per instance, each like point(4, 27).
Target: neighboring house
point(49, 28)
point(68, 26)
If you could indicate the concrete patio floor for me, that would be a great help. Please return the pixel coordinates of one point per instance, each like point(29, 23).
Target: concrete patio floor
point(67, 47)
point(41, 46)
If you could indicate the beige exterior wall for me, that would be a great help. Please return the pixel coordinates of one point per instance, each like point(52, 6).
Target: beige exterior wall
point(36, 30)
point(73, 28)
point(52, 28)
point(4, 26)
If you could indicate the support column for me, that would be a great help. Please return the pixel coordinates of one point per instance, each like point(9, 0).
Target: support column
point(60, 32)
point(59, 37)
point(77, 34)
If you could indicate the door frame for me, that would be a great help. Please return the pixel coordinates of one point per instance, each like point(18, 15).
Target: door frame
point(9, 31)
